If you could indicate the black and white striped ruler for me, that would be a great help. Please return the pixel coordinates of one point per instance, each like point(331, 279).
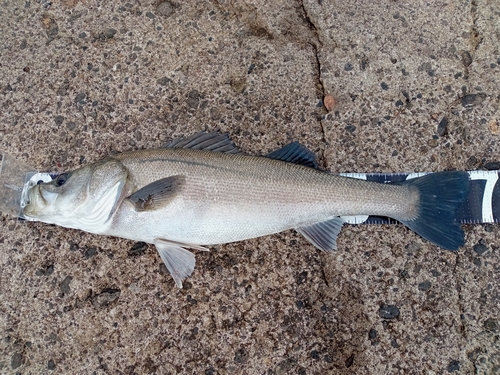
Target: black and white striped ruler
point(481, 206)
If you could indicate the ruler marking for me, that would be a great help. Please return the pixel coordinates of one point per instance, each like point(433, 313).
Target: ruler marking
point(485, 202)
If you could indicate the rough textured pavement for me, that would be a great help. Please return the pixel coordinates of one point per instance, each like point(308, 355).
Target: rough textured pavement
point(415, 87)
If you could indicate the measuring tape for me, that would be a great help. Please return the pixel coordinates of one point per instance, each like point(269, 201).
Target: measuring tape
point(481, 206)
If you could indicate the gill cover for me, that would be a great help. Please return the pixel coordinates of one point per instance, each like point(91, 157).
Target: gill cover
point(83, 199)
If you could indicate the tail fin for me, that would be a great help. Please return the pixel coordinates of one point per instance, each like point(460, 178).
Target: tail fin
point(441, 195)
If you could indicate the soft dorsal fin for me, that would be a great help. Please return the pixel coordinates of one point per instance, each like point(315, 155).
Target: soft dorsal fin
point(157, 194)
point(295, 153)
point(208, 141)
point(323, 235)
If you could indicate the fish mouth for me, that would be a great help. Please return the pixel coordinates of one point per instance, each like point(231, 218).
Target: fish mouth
point(38, 198)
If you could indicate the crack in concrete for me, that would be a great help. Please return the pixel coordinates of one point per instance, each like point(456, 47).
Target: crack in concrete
point(461, 309)
point(320, 87)
point(476, 37)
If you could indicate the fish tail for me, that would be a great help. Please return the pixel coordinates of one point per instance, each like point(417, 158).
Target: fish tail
point(441, 196)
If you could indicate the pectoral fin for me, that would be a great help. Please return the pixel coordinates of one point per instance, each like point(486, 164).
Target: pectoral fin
point(157, 194)
point(323, 235)
point(179, 261)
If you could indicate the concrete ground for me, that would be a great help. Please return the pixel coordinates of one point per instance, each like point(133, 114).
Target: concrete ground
point(415, 87)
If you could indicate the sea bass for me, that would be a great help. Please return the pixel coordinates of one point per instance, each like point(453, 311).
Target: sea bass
point(202, 191)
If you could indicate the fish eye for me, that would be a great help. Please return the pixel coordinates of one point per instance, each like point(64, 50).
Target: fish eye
point(61, 179)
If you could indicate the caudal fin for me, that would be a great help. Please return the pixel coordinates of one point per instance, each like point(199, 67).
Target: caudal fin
point(441, 195)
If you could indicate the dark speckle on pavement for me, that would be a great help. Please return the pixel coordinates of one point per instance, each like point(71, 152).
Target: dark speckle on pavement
point(65, 288)
point(388, 311)
point(480, 248)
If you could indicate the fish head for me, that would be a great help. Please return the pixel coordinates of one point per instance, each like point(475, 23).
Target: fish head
point(78, 196)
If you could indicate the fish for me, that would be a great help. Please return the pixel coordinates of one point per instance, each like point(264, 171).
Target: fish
point(201, 190)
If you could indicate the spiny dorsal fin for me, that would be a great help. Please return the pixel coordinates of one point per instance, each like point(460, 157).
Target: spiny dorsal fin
point(208, 141)
point(323, 235)
point(295, 153)
point(157, 194)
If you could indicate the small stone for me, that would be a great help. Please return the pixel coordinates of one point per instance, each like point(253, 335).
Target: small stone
point(90, 252)
point(286, 366)
point(65, 289)
point(443, 124)
point(435, 273)
point(432, 142)
point(163, 81)
point(49, 270)
point(150, 15)
point(425, 67)
point(301, 278)
point(494, 127)
point(109, 33)
point(166, 8)
point(80, 98)
point(16, 360)
point(51, 364)
point(480, 248)
point(59, 120)
point(492, 165)
point(329, 102)
point(314, 354)
point(349, 361)
point(240, 356)
point(348, 67)
point(399, 103)
point(193, 99)
point(50, 26)
point(424, 285)
point(388, 311)
point(394, 344)
point(453, 366)
point(350, 128)
point(106, 297)
point(466, 58)
point(384, 86)
point(491, 325)
point(138, 248)
point(472, 100)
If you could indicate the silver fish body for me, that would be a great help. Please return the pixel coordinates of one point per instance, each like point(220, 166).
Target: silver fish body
point(180, 197)
point(226, 198)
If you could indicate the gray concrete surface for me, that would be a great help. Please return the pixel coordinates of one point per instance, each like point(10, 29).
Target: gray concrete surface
point(80, 79)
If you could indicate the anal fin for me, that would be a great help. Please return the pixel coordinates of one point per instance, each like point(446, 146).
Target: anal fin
point(179, 261)
point(323, 235)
